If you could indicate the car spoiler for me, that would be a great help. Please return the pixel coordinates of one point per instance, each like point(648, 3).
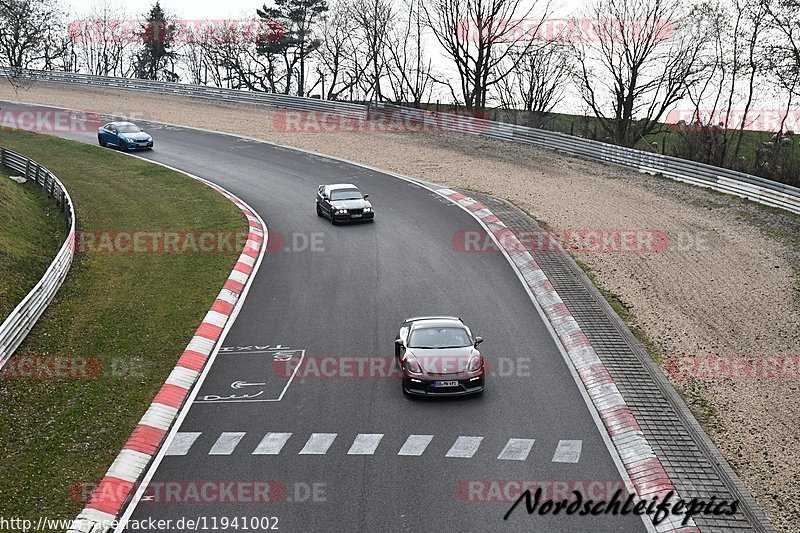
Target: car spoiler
point(414, 319)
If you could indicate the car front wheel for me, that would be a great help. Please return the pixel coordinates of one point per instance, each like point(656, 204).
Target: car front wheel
point(101, 141)
point(319, 211)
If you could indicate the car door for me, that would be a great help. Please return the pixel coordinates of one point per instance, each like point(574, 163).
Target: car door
point(319, 196)
point(326, 201)
point(113, 135)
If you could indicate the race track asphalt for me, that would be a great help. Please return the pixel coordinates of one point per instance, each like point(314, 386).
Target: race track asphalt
point(325, 292)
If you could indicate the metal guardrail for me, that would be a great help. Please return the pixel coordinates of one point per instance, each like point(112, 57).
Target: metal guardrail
point(23, 317)
point(720, 179)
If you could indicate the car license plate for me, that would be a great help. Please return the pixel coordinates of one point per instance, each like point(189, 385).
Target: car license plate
point(445, 383)
point(356, 216)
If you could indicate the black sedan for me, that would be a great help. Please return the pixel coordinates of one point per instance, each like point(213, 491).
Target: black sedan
point(438, 356)
point(343, 202)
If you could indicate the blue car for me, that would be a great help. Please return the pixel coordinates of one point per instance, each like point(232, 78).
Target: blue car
point(125, 136)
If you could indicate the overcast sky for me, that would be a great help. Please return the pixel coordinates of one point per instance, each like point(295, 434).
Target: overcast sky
point(224, 9)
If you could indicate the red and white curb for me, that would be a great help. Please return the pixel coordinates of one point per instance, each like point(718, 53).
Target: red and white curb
point(644, 468)
point(119, 483)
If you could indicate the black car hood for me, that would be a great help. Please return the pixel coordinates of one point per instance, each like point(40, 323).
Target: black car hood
point(350, 204)
point(444, 361)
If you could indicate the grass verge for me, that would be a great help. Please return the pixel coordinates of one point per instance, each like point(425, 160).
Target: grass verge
point(128, 316)
point(32, 229)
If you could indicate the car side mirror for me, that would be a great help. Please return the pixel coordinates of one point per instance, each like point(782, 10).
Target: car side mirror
point(366, 196)
point(478, 340)
point(398, 342)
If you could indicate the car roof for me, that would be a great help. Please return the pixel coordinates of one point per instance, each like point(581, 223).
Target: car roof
point(334, 186)
point(121, 124)
point(437, 322)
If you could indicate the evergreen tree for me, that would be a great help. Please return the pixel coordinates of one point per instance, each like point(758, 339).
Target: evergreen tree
point(295, 40)
point(154, 59)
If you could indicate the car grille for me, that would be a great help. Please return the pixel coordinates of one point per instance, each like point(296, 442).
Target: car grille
point(355, 211)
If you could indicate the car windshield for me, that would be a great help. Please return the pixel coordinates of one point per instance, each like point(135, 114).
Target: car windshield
point(346, 194)
point(452, 337)
point(128, 128)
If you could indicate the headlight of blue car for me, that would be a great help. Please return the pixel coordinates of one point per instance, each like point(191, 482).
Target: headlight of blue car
point(341, 211)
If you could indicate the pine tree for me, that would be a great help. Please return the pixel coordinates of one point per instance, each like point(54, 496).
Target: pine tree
point(295, 42)
point(157, 35)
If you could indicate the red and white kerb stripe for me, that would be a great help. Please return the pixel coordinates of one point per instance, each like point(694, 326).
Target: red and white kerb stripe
point(642, 465)
point(120, 481)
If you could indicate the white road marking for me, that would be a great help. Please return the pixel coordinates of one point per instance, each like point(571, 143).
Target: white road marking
point(181, 443)
point(226, 443)
point(568, 451)
point(271, 444)
point(464, 447)
point(318, 444)
point(365, 444)
point(213, 398)
point(516, 449)
point(415, 444)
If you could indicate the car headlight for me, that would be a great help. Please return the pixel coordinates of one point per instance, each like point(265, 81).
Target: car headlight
point(368, 210)
point(412, 365)
point(475, 364)
point(341, 211)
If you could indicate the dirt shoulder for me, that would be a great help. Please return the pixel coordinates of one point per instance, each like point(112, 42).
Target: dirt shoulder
point(727, 285)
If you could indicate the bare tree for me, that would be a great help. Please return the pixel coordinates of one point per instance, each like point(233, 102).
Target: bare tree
point(297, 43)
point(480, 35)
point(102, 40)
point(722, 101)
point(537, 82)
point(636, 61)
point(235, 57)
point(783, 55)
point(372, 21)
point(27, 29)
point(409, 71)
point(342, 60)
point(754, 15)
